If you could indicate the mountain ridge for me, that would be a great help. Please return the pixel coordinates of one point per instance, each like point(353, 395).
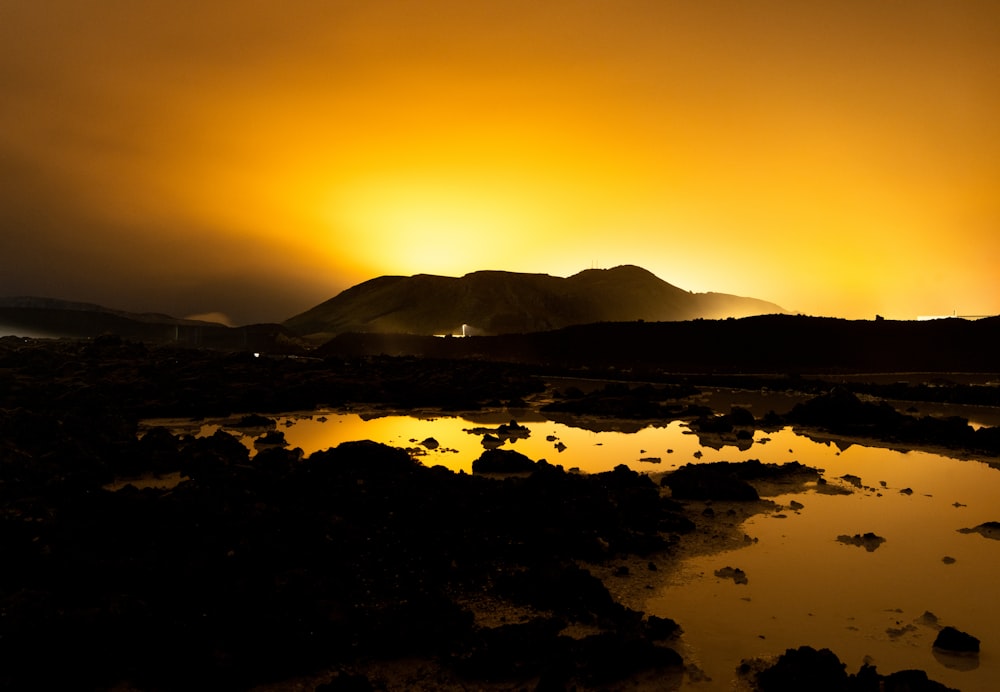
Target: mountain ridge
point(48, 304)
point(499, 302)
point(39, 317)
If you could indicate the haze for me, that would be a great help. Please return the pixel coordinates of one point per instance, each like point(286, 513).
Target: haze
point(255, 158)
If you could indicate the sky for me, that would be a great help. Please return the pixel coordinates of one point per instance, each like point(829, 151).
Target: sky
point(254, 158)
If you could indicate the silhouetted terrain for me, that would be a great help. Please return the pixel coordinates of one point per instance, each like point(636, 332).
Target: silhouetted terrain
point(496, 302)
point(776, 343)
point(788, 344)
point(322, 571)
point(49, 317)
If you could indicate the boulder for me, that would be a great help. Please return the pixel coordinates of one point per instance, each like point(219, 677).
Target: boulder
point(956, 641)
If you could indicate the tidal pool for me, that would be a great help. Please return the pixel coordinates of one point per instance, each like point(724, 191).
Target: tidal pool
point(804, 587)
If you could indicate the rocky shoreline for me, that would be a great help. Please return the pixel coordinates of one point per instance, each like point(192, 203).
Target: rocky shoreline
point(354, 567)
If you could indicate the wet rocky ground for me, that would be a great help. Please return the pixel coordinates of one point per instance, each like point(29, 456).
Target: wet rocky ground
point(357, 567)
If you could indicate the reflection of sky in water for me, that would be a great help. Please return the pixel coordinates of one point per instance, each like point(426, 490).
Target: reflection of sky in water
point(672, 443)
point(804, 587)
point(586, 450)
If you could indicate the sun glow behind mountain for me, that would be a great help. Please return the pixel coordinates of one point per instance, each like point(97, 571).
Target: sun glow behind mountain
point(437, 225)
point(837, 160)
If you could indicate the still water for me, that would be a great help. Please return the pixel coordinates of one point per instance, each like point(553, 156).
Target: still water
point(804, 587)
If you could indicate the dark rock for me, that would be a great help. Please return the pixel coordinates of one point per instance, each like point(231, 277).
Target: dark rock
point(609, 657)
point(512, 430)
point(346, 682)
point(951, 639)
point(741, 416)
point(271, 438)
point(723, 480)
point(564, 588)
point(841, 410)
point(852, 479)
point(502, 461)
point(658, 628)
point(253, 420)
point(822, 671)
point(802, 669)
point(709, 482)
point(713, 424)
point(515, 651)
point(912, 681)
point(734, 573)
point(989, 529)
point(491, 441)
point(869, 541)
point(928, 619)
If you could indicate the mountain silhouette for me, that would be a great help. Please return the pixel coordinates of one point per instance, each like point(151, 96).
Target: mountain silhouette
point(498, 302)
point(54, 318)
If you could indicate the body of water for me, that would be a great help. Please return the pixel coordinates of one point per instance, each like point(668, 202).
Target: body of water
point(804, 586)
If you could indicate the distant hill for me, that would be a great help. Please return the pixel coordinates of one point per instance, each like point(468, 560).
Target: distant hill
point(761, 344)
point(53, 318)
point(497, 302)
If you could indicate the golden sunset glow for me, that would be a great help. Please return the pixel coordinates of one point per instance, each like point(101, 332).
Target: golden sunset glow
point(256, 159)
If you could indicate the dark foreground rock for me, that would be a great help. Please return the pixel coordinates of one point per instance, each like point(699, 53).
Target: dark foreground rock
point(534, 650)
point(258, 570)
point(717, 481)
point(821, 670)
point(502, 461)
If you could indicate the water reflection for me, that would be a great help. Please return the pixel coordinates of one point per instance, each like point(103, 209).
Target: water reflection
point(460, 440)
point(803, 586)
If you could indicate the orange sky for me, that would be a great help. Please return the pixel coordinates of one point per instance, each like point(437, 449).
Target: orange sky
point(256, 157)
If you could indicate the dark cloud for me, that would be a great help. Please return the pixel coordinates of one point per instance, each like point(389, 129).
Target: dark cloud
point(54, 244)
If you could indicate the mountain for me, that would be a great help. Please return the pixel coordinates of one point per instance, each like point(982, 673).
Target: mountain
point(53, 318)
point(497, 302)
